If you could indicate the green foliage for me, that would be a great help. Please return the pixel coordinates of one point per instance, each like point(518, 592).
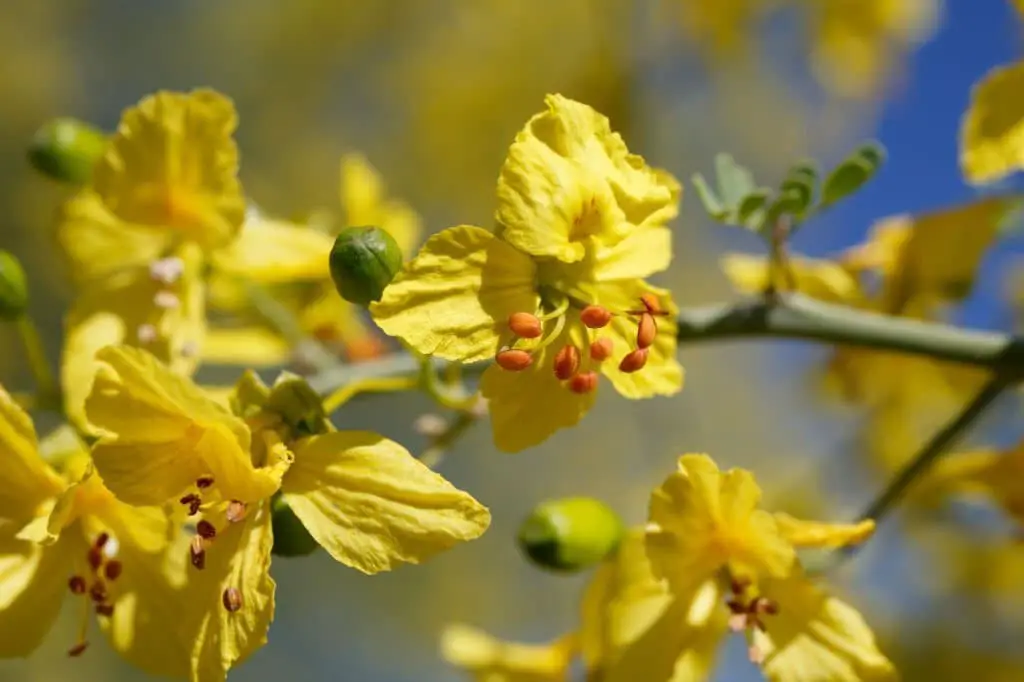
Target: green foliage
point(13, 288)
point(852, 173)
point(291, 539)
point(66, 150)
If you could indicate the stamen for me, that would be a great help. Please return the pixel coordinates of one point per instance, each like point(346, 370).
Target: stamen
point(146, 333)
point(651, 303)
point(101, 540)
point(557, 311)
point(204, 482)
point(584, 382)
point(738, 622)
point(513, 359)
point(95, 558)
point(236, 511)
point(232, 599)
point(525, 325)
point(167, 270)
point(197, 552)
point(601, 349)
point(167, 300)
point(193, 501)
point(567, 361)
point(756, 655)
point(634, 361)
point(105, 610)
point(595, 316)
point(646, 331)
point(76, 584)
point(98, 592)
point(206, 530)
point(78, 649)
point(113, 569)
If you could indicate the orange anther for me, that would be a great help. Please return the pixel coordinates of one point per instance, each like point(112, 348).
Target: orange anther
point(634, 361)
point(601, 349)
point(646, 331)
point(525, 325)
point(513, 359)
point(595, 316)
point(651, 303)
point(584, 382)
point(567, 361)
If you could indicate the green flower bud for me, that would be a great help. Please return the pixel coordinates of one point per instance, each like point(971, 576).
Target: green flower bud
point(66, 150)
point(570, 534)
point(291, 538)
point(298, 404)
point(364, 260)
point(13, 288)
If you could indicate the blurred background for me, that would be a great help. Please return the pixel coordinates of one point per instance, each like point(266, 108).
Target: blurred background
point(432, 92)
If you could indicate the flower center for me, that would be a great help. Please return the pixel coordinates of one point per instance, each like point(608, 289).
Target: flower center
point(206, 529)
point(93, 584)
point(573, 366)
point(748, 611)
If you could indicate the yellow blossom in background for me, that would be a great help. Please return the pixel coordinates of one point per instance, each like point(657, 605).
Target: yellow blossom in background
point(724, 28)
point(720, 555)
point(487, 659)
point(369, 503)
point(65, 535)
point(991, 474)
point(555, 293)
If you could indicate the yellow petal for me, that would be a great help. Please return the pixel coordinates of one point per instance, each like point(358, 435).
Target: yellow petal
point(529, 406)
point(374, 506)
point(363, 203)
point(274, 251)
point(643, 252)
point(33, 582)
point(96, 243)
point(246, 346)
point(662, 375)
point(802, 533)
point(992, 131)
point(332, 319)
point(706, 518)
point(454, 298)
point(173, 163)
point(493, 660)
point(124, 309)
point(239, 560)
point(634, 628)
point(817, 637)
point(821, 279)
point(569, 181)
point(27, 480)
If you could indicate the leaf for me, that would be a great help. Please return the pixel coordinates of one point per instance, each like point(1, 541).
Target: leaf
point(750, 211)
point(853, 173)
point(734, 181)
point(707, 196)
point(800, 184)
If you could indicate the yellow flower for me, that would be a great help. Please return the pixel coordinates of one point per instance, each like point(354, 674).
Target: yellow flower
point(709, 541)
point(491, 660)
point(368, 502)
point(990, 473)
point(556, 293)
point(65, 534)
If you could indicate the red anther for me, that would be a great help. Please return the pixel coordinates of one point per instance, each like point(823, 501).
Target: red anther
point(567, 361)
point(193, 506)
point(525, 325)
point(78, 649)
point(766, 606)
point(98, 592)
point(113, 569)
point(76, 584)
point(601, 349)
point(646, 331)
point(739, 585)
point(101, 540)
point(206, 530)
point(584, 382)
point(232, 599)
point(513, 360)
point(735, 606)
point(95, 558)
point(634, 361)
point(204, 482)
point(595, 316)
point(236, 511)
point(651, 303)
point(197, 553)
point(105, 610)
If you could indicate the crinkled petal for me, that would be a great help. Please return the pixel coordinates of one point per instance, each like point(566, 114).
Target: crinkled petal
point(817, 638)
point(801, 533)
point(373, 506)
point(992, 131)
point(642, 253)
point(454, 298)
point(494, 660)
point(33, 582)
point(27, 480)
point(173, 163)
point(275, 251)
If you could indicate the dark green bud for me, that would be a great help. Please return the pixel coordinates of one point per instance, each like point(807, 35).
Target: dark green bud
point(298, 404)
point(570, 534)
point(66, 149)
point(13, 288)
point(291, 538)
point(364, 260)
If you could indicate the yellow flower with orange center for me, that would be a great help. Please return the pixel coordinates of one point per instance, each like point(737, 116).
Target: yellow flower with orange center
point(554, 294)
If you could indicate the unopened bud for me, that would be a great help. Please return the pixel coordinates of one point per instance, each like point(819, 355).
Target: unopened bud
point(570, 534)
point(601, 349)
point(646, 331)
point(634, 361)
point(584, 382)
point(513, 359)
point(595, 316)
point(363, 261)
point(13, 288)
point(66, 149)
point(291, 538)
point(525, 325)
point(567, 361)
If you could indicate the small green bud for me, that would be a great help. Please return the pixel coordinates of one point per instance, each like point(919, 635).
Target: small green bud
point(298, 404)
point(13, 288)
point(364, 260)
point(66, 149)
point(291, 539)
point(570, 534)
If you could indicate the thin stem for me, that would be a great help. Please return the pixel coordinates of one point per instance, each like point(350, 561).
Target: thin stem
point(46, 385)
point(434, 454)
point(450, 396)
point(346, 392)
point(284, 322)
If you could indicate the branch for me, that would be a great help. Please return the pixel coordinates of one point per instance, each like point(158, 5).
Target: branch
point(791, 316)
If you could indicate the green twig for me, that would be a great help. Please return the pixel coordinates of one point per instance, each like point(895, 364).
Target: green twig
point(46, 386)
point(434, 454)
